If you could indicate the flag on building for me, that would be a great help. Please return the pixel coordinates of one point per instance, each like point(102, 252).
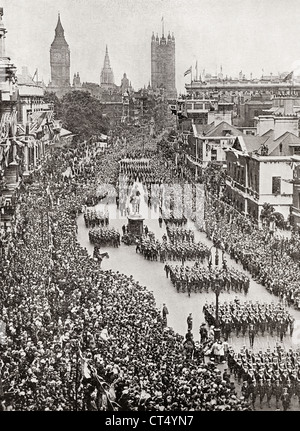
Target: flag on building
point(184, 113)
point(84, 367)
point(188, 71)
point(288, 77)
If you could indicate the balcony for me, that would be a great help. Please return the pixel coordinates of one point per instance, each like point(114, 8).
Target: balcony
point(252, 193)
point(296, 211)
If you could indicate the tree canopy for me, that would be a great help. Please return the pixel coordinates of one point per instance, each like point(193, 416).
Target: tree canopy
point(80, 113)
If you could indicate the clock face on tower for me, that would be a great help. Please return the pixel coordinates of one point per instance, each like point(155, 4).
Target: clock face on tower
point(57, 56)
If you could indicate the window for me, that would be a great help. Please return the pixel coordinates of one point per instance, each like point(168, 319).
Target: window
point(213, 154)
point(198, 106)
point(276, 185)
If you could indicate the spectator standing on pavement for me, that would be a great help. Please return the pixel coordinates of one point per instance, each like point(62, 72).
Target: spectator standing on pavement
point(189, 321)
point(160, 221)
point(203, 333)
point(165, 312)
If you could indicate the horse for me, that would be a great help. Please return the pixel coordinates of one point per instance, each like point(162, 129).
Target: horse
point(99, 256)
point(102, 255)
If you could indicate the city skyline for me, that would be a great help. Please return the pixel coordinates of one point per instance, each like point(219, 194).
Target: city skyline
point(231, 34)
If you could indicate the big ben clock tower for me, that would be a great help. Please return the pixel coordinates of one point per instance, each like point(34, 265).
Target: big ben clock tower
point(60, 59)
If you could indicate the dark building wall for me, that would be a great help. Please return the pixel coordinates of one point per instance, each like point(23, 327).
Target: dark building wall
point(253, 175)
point(163, 65)
point(247, 111)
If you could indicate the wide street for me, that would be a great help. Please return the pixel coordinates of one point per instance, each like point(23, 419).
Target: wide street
point(152, 275)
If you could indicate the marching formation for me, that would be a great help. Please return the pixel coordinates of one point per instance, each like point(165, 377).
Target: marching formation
point(172, 217)
point(267, 375)
point(93, 217)
point(105, 237)
point(177, 234)
point(198, 278)
point(152, 249)
point(237, 318)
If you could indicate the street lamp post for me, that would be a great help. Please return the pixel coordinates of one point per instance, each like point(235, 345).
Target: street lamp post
point(217, 289)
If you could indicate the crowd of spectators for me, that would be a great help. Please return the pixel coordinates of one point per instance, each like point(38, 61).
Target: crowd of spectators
point(256, 249)
point(77, 337)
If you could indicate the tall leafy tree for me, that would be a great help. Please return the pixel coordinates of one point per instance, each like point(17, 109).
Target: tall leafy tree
point(50, 97)
point(82, 115)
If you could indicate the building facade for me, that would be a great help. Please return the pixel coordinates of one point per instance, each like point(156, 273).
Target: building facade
point(260, 170)
point(27, 129)
point(163, 73)
point(295, 213)
point(9, 146)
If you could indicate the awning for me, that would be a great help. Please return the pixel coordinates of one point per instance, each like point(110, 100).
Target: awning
point(193, 161)
point(64, 133)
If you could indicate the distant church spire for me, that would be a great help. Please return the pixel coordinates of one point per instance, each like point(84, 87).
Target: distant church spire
point(59, 31)
point(106, 58)
point(107, 75)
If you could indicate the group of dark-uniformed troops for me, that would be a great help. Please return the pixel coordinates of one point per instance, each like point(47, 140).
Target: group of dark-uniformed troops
point(173, 218)
point(105, 237)
point(199, 278)
point(153, 249)
point(130, 165)
point(176, 233)
point(267, 374)
point(137, 170)
point(249, 316)
point(93, 217)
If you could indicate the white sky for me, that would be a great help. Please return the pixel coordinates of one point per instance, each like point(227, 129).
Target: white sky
point(247, 35)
